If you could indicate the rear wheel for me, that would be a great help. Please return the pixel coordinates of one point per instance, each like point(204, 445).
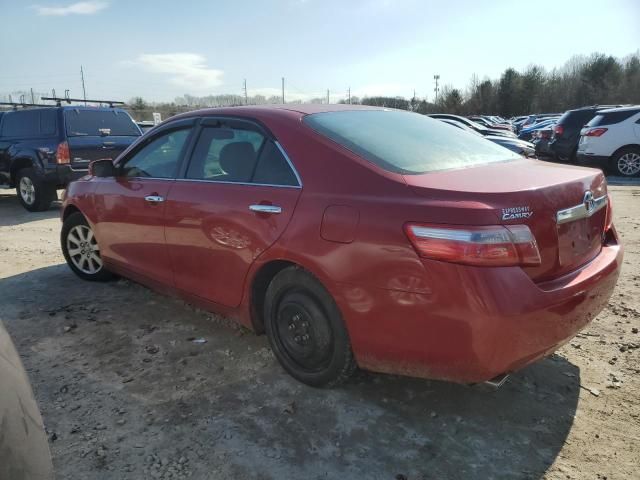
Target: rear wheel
point(81, 250)
point(306, 331)
point(34, 194)
point(626, 162)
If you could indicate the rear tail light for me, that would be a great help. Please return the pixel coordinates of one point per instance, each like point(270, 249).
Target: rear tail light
point(62, 153)
point(558, 130)
point(493, 246)
point(594, 132)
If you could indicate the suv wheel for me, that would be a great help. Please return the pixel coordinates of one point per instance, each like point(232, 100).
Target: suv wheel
point(34, 194)
point(81, 250)
point(306, 331)
point(626, 162)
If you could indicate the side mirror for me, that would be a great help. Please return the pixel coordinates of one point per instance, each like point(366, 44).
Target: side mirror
point(102, 168)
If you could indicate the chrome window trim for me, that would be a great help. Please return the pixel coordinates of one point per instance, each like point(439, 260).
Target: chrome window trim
point(237, 183)
point(580, 211)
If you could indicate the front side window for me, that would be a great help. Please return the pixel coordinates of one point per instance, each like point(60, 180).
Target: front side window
point(406, 143)
point(159, 158)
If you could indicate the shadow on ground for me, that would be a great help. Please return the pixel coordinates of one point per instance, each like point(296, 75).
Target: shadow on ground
point(13, 213)
point(127, 393)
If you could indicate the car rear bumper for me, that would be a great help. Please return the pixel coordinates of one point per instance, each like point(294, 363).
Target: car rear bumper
point(62, 175)
point(596, 160)
point(563, 149)
point(471, 324)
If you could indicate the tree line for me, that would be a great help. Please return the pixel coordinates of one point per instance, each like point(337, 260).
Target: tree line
point(584, 80)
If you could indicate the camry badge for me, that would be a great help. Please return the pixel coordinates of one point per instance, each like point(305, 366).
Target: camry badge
point(513, 213)
point(588, 201)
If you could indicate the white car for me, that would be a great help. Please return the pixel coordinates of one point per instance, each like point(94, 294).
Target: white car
point(612, 138)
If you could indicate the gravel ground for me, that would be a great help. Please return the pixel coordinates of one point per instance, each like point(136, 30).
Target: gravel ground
point(128, 390)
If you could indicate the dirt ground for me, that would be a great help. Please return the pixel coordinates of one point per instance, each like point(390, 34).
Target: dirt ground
point(126, 393)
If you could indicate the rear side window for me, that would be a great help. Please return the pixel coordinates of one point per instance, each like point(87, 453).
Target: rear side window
point(239, 156)
point(406, 143)
point(225, 155)
point(23, 124)
point(611, 118)
point(83, 123)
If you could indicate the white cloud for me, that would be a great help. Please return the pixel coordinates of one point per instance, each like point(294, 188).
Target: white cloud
point(78, 8)
point(186, 70)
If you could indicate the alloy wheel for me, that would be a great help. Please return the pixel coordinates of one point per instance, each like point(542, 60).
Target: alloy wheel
point(27, 191)
point(84, 250)
point(629, 163)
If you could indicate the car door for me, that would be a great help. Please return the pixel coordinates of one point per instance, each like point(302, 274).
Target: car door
point(234, 199)
point(130, 207)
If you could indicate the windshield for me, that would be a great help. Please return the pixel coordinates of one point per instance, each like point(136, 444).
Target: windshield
point(407, 143)
point(81, 123)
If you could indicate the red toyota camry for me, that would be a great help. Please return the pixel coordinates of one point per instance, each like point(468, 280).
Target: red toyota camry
point(354, 237)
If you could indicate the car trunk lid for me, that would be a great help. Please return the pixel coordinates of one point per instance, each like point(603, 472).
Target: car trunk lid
point(529, 192)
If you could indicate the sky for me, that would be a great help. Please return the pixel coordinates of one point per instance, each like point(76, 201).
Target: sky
point(160, 49)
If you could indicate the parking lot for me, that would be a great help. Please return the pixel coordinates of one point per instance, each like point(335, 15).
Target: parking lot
point(133, 384)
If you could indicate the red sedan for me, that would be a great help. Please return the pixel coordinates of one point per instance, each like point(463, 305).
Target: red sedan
point(354, 237)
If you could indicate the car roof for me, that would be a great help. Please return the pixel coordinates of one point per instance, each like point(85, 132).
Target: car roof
point(284, 109)
point(66, 107)
point(620, 109)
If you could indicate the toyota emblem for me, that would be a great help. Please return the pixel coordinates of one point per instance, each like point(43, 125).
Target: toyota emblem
point(588, 201)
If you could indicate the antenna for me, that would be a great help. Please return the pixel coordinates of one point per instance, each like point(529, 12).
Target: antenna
point(283, 90)
point(437, 89)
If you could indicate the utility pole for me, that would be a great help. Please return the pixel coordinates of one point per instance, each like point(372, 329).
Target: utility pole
point(349, 95)
point(436, 78)
point(246, 102)
point(283, 90)
point(84, 91)
point(327, 96)
point(33, 100)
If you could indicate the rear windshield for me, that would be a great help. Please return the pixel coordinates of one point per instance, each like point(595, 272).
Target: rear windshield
point(407, 143)
point(82, 123)
point(611, 118)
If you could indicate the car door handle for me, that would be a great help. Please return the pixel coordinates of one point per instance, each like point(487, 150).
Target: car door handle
point(265, 208)
point(154, 198)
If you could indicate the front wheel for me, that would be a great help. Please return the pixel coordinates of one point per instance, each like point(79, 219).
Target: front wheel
point(81, 250)
point(306, 331)
point(626, 162)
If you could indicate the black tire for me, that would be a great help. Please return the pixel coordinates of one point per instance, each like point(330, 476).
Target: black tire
point(306, 331)
point(82, 263)
point(626, 162)
point(33, 192)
